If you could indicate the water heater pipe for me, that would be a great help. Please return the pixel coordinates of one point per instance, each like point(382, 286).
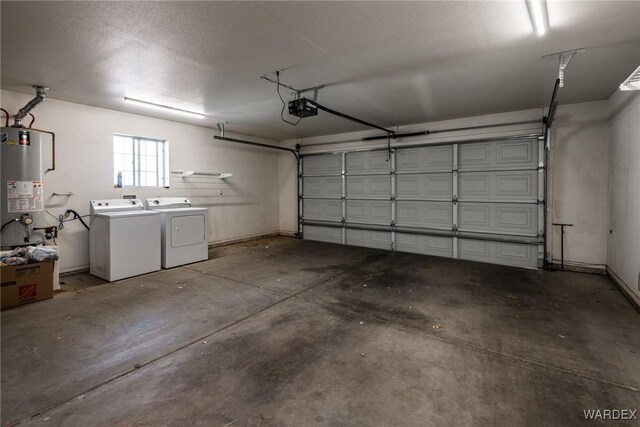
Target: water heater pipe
point(41, 94)
point(6, 122)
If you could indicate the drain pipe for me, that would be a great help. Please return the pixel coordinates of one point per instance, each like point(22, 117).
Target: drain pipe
point(41, 93)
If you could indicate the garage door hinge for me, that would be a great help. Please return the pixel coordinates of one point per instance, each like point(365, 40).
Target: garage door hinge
point(393, 224)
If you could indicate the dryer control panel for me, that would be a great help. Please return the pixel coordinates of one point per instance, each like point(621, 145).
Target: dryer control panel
point(168, 202)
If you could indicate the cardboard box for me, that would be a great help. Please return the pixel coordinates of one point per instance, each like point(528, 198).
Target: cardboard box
point(27, 283)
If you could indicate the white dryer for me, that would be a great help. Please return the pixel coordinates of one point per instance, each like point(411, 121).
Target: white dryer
point(124, 239)
point(184, 230)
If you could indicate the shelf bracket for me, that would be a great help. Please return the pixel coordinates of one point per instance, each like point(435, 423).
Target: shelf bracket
point(220, 126)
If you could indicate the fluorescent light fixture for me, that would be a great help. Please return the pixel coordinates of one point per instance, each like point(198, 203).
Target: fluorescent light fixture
point(537, 10)
point(163, 108)
point(632, 82)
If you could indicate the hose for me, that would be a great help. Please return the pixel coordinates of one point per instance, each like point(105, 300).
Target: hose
point(33, 120)
point(6, 123)
point(76, 215)
point(8, 222)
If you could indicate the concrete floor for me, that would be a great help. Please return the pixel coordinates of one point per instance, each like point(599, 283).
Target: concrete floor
point(285, 332)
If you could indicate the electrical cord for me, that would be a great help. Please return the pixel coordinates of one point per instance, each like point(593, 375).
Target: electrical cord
point(61, 220)
point(77, 216)
point(7, 223)
point(284, 105)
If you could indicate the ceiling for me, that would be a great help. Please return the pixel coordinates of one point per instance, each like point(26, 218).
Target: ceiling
point(391, 63)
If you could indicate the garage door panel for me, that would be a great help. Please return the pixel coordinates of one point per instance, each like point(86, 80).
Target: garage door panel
point(323, 210)
point(368, 162)
point(369, 211)
point(322, 234)
point(491, 199)
point(505, 253)
point(369, 238)
point(324, 164)
point(504, 218)
point(428, 245)
point(327, 186)
point(424, 214)
point(504, 185)
point(431, 186)
point(425, 159)
point(499, 155)
point(374, 187)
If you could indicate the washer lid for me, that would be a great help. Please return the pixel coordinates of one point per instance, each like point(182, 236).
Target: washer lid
point(125, 214)
point(168, 202)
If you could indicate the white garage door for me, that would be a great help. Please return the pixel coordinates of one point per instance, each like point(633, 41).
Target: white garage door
point(481, 201)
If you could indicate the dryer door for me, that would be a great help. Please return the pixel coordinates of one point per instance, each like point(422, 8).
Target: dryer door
point(187, 230)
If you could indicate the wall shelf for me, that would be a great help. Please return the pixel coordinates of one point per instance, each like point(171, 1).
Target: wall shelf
point(218, 175)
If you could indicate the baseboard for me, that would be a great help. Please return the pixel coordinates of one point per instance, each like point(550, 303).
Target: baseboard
point(243, 239)
point(624, 289)
point(578, 267)
point(72, 272)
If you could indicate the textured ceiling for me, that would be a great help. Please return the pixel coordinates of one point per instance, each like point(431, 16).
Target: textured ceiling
point(391, 63)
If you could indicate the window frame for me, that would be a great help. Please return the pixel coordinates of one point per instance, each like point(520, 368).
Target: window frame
point(161, 156)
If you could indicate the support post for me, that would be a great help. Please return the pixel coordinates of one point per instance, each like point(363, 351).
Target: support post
point(562, 226)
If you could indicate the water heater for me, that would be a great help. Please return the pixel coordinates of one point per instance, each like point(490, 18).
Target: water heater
point(22, 188)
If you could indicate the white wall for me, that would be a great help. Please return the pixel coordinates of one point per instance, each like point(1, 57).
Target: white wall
point(578, 179)
point(578, 155)
point(623, 257)
point(247, 207)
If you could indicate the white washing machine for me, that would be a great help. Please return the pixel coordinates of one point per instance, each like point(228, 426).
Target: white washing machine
point(124, 239)
point(184, 230)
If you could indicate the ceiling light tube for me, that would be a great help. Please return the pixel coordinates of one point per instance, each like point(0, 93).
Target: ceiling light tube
point(163, 108)
point(537, 9)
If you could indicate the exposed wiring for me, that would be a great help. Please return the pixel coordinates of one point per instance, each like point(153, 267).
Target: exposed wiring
point(7, 223)
point(6, 113)
point(33, 120)
point(284, 105)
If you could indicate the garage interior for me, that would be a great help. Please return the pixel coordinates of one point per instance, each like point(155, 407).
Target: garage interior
point(405, 213)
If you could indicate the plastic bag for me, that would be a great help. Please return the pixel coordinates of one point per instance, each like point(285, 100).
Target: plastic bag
point(14, 260)
point(30, 254)
point(42, 253)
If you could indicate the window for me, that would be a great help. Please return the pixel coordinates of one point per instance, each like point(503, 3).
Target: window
point(140, 162)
